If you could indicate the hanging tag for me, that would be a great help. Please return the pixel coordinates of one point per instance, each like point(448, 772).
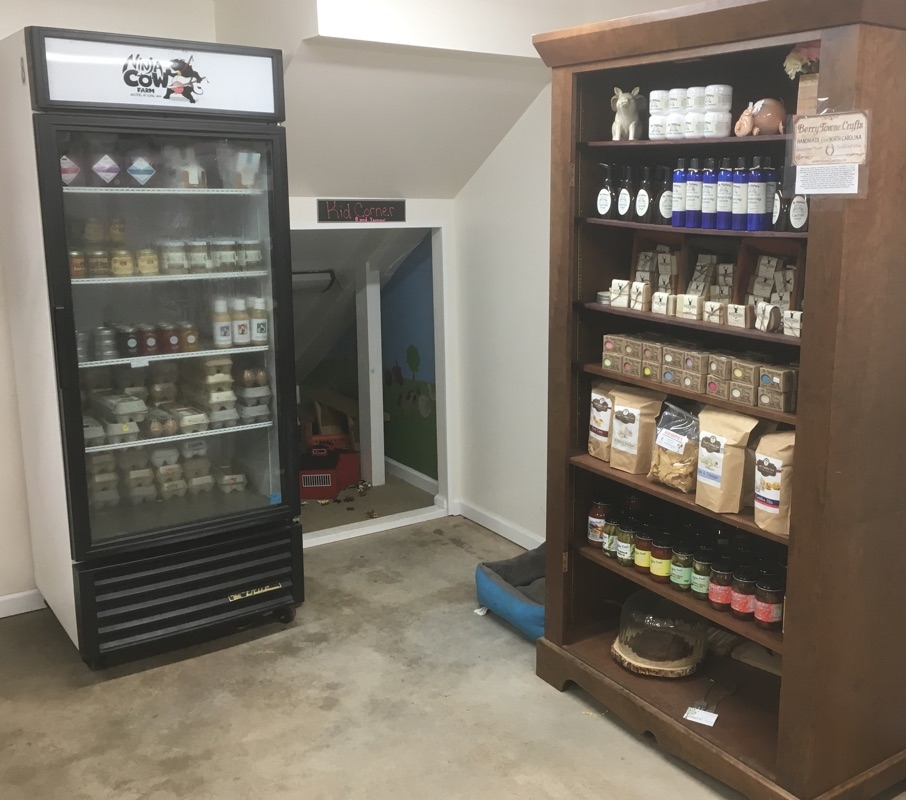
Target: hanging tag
point(700, 716)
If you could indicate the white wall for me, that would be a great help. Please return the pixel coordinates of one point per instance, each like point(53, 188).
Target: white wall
point(195, 21)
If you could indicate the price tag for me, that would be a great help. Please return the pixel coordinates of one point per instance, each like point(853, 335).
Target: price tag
point(670, 440)
point(700, 716)
point(139, 362)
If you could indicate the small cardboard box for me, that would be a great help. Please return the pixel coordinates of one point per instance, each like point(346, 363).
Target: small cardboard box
point(652, 351)
point(792, 323)
point(613, 343)
point(619, 293)
point(696, 361)
point(671, 375)
point(632, 367)
point(745, 372)
point(689, 306)
point(673, 356)
point(740, 316)
point(714, 312)
point(612, 362)
point(780, 379)
point(651, 370)
point(663, 303)
point(720, 366)
point(632, 347)
point(743, 394)
point(640, 296)
point(692, 382)
point(716, 386)
point(776, 400)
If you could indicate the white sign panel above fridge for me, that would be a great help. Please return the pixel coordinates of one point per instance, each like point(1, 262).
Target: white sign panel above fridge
point(178, 78)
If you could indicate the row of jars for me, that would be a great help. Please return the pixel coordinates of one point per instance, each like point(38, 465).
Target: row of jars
point(129, 341)
point(170, 257)
point(731, 575)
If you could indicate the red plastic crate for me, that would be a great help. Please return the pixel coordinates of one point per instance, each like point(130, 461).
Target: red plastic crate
point(325, 473)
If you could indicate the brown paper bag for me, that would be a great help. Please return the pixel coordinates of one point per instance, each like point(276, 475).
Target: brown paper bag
point(725, 467)
point(774, 481)
point(634, 428)
point(600, 419)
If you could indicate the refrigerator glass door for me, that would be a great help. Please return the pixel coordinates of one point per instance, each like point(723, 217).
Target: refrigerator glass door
point(170, 268)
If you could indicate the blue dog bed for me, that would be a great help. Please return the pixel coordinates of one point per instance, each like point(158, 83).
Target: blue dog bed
point(514, 590)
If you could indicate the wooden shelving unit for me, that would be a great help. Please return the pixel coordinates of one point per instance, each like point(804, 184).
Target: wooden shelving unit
point(832, 726)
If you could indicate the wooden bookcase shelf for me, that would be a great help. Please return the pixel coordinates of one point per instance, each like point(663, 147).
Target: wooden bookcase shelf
point(678, 391)
point(807, 734)
point(770, 639)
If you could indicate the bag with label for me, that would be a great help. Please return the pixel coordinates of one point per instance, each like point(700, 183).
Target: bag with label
point(674, 461)
point(600, 420)
point(633, 429)
point(725, 464)
point(774, 481)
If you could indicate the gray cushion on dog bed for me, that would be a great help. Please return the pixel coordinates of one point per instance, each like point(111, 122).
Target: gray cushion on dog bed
point(524, 572)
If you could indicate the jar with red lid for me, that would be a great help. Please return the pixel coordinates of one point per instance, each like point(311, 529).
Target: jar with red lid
point(742, 594)
point(661, 558)
point(169, 338)
point(643, 541)
point(769, 603)
point(148, 340)
point(720, 588)
point(597, 524)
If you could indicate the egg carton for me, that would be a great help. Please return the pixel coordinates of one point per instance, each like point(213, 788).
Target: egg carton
point(168, 472)
point(142, 494)
point(224, 419)
point(253, 395)
point(203, 483)
point(209, 399)
point(132, 458)
point(191, 420)
point(120, 432)
point(164, 372)
point(160, 423)
point(126, 377)
point(164, 455)
point(252, 414)
point(213, 365)
point(196, 467)
point(93, 432)
point(97, 378)
point(102, 482)
point(141, 392)
point(215, 382)
point(118, 407)
point(229, 480)
point(100, 463)
point(138, 478)
point(105, 498)
point(194, 449)
point(249, 377)
point(164, 392)
point(171, 489)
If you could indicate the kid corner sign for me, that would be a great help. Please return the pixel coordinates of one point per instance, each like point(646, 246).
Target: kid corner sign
point(828, 151)
point(110, 73)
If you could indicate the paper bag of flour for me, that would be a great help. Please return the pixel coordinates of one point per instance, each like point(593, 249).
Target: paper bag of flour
point(725, 466)
point(774, 481)
point(600, 419)
point(634, 428)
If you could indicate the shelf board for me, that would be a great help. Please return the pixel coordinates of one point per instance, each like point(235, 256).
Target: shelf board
point(773, 640)
point(677, 391)
point(161, 190)
point(748, 720)
point(142, 361)
point(644, 226)
point(744, 141)
point(695, 324)
point(163, 440)
point(745, 521)
point(205, 276)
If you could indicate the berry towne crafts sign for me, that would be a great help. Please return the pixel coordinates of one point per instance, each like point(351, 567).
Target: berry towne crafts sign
point(361, 210)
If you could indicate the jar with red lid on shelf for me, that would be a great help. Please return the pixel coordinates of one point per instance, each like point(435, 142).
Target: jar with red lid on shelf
point(597, 524)
point(661, 558)
point(642, 556)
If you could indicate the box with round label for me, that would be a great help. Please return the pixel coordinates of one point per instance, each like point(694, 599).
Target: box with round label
point(632, 367)
point(632, 347)
point(652, 351)
point(717, 386)
point(673, 356)
point(720, 365)
point(696, 361)
point(692, 381)
point(612, 362)
point(743, 393)
point(781, 379)
point(671, 375)
point(651, 370)
point(747, 372)
point(613, 343)
point(776, 400)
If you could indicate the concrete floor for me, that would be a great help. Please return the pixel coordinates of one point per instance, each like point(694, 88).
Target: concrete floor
point(385, 686)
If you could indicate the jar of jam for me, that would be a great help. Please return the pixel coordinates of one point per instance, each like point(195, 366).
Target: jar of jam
point(99, 264)
point(597, 521)
point(188, 337)
point(643, 551)
point(95, 231)
point(223, 255)
point(78, 266)
point(720, 587)
point(197, 256)
point(769, 604)
point(121, 263)
point(173, 257)
point(701, 572)
point(612, 527)
point(148, 340)
point(169, 338)
point(127, 335)
point(116, 233)
point(249, 254)
point(147, 262)
point(681, 567)
point(626, 544)
point(661, 558)
point(742, 594)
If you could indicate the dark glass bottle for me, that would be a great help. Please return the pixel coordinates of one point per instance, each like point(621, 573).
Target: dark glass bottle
point(757, 196)
point(770, 182)
point(626, 196)
point(606, 199)
point(644, 205)
point(663, 209)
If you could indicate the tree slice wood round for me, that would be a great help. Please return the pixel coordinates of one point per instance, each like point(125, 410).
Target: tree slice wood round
point(657, 669)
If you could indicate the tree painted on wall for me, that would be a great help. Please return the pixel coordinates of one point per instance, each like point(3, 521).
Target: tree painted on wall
point(413, 359)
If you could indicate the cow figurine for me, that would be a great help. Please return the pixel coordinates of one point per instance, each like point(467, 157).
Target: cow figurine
point(629, 108)
point(764, 117)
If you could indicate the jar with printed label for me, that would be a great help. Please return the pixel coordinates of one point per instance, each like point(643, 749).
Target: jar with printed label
point(127, 336)
point(173, 257)
point(188, 337)
point(99, 264)
point(197, 256)
point(122, 265)
point(612, 528)
point(116, 232)
point(701, 572)
point(769, 603)
point(249, 254)
point(681, 567)
point(78, 266)
point(597, 524)
point(223, 255)
point(661, 558)
point(148, 340)
point(720, 587)
point(95, 231)
point(742, 594)
point(169, 338)
point(626, 544)
point(642, 556)
point(147, 262)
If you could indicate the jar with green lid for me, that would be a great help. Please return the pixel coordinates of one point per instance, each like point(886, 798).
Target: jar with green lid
point(661, 558)
point(701, 572)
point(681, 567)
point(643, 551)
point(626, 544)
point(612, 527)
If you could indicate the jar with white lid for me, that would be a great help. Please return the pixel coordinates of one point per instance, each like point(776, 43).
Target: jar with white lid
point(659, 101)
point(694, 125)
point(719, 97)
point(676, 125)
point(657, 127)
point(718, 124)
point(695, 98)
point(676, 100)
point(173, 257)
point(250, 254)
point(223, 255)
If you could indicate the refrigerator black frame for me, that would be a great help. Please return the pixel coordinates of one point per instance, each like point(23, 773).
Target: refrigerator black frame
point(40, 90)
point(66, 361)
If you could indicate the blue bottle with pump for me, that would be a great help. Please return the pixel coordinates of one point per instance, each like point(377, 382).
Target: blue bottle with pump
point(709, 194)
point(679, 194)
point(725, 196)
point(770, 182)
point(694, 194)
point(741, 195)
point(757, 197)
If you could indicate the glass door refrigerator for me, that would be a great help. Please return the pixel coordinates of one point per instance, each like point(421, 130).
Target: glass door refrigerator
point(147, 272)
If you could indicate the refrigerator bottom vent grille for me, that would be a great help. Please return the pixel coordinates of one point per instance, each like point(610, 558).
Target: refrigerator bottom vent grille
point(312, 481)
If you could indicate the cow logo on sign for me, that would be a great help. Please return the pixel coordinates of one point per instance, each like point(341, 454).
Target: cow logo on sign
point(148, 77)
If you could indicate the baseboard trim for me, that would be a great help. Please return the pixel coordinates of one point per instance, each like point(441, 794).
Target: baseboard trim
point(21, 603)
point(516, 534)
point(357, 529)
point(411, 476)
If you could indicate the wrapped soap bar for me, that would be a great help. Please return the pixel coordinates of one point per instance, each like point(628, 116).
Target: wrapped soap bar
point(640, 296)
point(664, 303)
point(632, 347)
point(692, 382)
point(696, 361)
point(619, 293)
point(632, 367)
point(792, 323)
point(717, 386)
point(673, 356)
point(671, 375)
point(652, 351)
point(613, 343)
point(740, 316)
point(743, 393)
point(745, 371)
point(782, 379)
point(767, 317)
point(714, 312)
point(689, 306)
point(720, 365)
point(612, 361)
point(651, 370)
point(776, 399)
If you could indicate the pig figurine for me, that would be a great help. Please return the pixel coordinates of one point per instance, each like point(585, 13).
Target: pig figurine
point(629, 107)
point(764, 117)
